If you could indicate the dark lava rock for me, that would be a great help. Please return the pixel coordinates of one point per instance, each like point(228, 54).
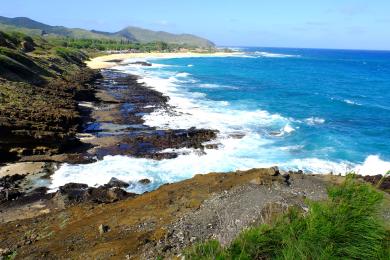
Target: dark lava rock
point(74, 193)
point(104, 229)
point(144, 181)
point(105, 195)
point(70, 193)
point(142, 63)
point(11, 181)
point(114, 182)
point(9, 194)
point(376, 179)
point(9, 187)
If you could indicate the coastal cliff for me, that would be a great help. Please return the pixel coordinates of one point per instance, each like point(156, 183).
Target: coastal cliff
point(40, 86)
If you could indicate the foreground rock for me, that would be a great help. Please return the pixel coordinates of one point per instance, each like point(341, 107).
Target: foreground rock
point(162, 222)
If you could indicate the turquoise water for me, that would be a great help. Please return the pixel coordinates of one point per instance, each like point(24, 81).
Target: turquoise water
point(317, 110)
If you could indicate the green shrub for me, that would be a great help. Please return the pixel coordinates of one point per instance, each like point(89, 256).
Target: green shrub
point(346, 226)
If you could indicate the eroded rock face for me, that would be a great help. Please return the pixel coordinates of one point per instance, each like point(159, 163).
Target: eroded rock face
point(45, 118)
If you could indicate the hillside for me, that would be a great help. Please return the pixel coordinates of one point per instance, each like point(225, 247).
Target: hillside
point(31, 27)
point(144, 36)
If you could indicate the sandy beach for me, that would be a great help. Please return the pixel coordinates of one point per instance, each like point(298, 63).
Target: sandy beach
point(110, 60)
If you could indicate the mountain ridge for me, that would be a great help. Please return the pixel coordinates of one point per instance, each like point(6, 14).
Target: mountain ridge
point(130, 33)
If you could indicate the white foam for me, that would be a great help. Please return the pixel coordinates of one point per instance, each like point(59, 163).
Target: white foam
point(314, 120)
point(182, 74)
point(350, 102)
point(373, 165)
point(275, 55)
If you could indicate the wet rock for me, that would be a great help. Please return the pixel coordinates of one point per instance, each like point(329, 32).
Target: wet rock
point(103, 229)
point(114, 182)
point(144, 181)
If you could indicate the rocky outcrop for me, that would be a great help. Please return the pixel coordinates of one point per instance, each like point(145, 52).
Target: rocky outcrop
point(382, 182)
point(76, 193)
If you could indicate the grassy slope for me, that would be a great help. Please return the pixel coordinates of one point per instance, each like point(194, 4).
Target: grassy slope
point(346, 226)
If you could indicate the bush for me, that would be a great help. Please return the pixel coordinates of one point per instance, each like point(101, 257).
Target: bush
point(346, 226)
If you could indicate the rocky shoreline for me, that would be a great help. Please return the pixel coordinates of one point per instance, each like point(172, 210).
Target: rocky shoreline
point(110, 124)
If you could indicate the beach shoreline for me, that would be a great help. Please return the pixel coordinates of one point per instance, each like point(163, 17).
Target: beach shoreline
point(111, 60)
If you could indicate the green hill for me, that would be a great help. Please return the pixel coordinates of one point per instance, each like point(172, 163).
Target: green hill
point(31, 27)
point(144, 36)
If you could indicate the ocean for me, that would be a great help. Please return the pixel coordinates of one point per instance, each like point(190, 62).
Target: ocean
point(320, 111)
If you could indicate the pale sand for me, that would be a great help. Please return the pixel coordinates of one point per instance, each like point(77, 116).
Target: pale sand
point(103, 62)
point(22, 168)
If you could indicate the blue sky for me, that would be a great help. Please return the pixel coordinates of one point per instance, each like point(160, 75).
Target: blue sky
point(346, 24)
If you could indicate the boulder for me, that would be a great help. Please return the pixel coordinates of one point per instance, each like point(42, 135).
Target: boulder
point(106, 195)
point(144, 181)
point(70, 193)
point(116, 183)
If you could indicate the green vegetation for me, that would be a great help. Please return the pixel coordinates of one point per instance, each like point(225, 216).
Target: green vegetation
point(346, 226)
point(106, 45)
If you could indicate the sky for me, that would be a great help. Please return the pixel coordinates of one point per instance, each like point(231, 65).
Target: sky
point(342, 24)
